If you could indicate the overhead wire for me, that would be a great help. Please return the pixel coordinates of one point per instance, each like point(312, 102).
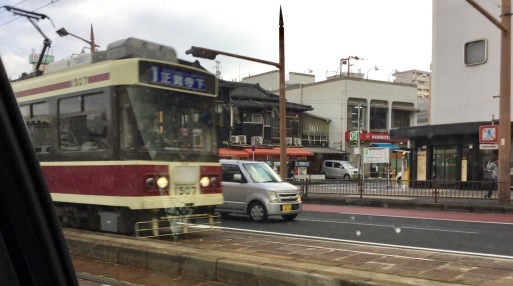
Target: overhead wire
point(5, 23)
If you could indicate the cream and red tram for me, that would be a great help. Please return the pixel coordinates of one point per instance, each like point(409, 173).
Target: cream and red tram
point(124, 135)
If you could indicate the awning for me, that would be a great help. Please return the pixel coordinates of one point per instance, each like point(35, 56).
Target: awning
point(384, 145)
point(233, 153)
point(326, 150)
point(298, 152)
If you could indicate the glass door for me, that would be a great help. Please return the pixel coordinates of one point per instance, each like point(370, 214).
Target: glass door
point(445, 163)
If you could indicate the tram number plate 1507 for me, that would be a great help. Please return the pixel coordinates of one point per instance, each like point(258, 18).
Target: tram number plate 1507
point(185, 190)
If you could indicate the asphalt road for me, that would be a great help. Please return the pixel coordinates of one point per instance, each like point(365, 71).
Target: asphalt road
point(488, 234)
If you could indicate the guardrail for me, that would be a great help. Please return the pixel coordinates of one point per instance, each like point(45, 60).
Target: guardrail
point(381, 187)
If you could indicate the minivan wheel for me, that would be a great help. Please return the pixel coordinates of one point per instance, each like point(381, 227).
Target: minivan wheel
point(257, 212)
point(289, 217)
point(347, 177)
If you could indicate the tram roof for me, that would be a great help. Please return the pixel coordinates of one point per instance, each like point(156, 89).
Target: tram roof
point(121, 49)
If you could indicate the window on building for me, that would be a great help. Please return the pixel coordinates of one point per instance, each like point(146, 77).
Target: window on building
point(400, 118)
point(268, 120)
point(475, 52)
point(252, 118)
point(353, 112)
point(378, 115)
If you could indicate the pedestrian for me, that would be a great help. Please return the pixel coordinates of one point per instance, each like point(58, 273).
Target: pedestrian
point(291, 168)
point(493, 169)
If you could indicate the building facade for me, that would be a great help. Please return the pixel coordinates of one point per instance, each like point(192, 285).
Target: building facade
point(422, 80)
point(463, 98)
point(352, 104)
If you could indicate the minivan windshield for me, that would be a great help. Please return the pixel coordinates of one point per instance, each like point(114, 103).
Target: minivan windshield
point(261, 173)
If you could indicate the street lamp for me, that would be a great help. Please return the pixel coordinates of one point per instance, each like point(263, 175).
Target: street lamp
point(373, 68)
point(392, 73)
point(211, 55)
point(62, 32)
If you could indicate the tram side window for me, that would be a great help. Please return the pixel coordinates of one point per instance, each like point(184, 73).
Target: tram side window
point(82, 123)
point(37, 121)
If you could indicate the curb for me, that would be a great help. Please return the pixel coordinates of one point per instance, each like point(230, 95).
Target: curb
point(226, 267)
point(414, 204)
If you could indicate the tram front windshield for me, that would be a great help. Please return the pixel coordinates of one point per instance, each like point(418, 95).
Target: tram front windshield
point(166, 125)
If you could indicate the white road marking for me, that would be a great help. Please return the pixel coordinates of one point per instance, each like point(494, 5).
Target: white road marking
point(393, 226)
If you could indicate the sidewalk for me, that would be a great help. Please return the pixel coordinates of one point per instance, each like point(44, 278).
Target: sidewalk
point(483, 205)
point(257, 259)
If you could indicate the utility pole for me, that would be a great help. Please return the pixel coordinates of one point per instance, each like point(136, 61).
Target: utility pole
point(211, 55)
point(505, 96)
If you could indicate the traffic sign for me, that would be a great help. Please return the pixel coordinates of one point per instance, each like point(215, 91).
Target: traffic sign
point(353, 138)
point(488, 133)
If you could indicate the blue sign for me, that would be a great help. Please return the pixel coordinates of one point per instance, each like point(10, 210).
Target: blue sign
point(177, 78)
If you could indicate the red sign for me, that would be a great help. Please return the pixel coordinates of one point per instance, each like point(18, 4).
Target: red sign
point(488, 133)
point(369, 136)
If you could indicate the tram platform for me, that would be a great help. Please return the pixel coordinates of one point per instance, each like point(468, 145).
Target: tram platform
point(236, 258)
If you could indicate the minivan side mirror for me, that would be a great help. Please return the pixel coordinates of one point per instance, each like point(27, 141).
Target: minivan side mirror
point(237, 177)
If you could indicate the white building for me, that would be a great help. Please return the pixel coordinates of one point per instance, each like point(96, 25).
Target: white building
point(381, 106)
point(384, 105)
point(465, 84)
point(466, 59)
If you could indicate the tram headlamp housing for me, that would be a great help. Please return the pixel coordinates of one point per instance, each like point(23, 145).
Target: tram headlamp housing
point(162, 182)
point(205, 182)
point(214, 181)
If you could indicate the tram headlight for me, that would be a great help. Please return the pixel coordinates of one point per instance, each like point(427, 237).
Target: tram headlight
point(204, 182)
point(162, 182)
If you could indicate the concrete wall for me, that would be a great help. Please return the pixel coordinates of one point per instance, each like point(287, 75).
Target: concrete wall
point(455, 86)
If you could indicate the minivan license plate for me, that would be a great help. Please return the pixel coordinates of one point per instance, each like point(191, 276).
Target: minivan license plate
point(286, 208)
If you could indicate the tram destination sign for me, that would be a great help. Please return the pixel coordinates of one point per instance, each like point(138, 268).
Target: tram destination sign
point(179, 77)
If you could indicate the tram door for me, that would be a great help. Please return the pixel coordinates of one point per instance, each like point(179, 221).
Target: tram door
point(444, 163)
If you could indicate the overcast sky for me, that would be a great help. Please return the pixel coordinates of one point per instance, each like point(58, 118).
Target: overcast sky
point(393, 34)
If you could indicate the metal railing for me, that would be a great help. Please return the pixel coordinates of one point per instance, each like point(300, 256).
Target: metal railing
point(433, 189)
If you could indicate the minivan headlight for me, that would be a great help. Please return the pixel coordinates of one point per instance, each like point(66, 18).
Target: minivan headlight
point(273, 196)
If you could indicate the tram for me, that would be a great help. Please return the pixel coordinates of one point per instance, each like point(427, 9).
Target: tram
point(124, 136)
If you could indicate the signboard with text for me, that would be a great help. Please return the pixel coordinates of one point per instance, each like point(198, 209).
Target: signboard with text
point(375, 155)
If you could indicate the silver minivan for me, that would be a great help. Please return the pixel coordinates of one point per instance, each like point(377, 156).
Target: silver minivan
point(336, 169)
point(253, 188)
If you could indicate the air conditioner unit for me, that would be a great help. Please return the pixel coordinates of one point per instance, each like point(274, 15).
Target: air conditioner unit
point(242, 139)
point(289, 140)
point(234, 139)
point(297, 141)
point(257, 140)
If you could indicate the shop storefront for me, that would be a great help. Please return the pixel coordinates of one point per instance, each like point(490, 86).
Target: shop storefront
point(448, 153)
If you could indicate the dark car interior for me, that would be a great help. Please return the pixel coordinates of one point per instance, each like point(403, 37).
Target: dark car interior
point(32, 246)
